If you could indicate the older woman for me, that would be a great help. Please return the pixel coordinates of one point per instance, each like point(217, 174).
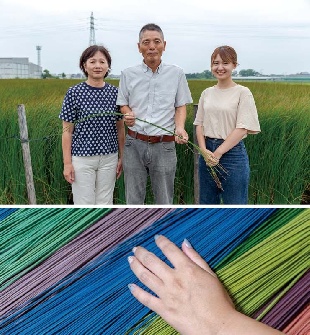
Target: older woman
point(93, 136)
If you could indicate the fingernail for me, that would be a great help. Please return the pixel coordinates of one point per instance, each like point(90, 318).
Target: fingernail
point(131, 287)
point(134, 249)
point(156, 237)
point(187, 243)
point(130, 259)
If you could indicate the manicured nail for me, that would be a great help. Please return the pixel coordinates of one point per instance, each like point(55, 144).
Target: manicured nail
point(130, 259)
point(134, 249)
point(186, 241)
point(156, 237)
point(131, 287)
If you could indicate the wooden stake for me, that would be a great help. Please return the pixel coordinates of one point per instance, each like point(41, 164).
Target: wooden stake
point(26, 154)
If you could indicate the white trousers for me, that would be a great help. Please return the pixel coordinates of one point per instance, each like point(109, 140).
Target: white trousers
point(94, 179)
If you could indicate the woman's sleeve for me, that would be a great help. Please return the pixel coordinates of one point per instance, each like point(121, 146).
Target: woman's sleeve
point(68, 110)
point(123, 94)
point(247, 116)
point(199, 116)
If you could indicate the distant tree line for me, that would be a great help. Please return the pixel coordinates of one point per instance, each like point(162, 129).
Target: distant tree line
point(46, 74)
point(203, 75)
point(206, 74)
point(248, 73)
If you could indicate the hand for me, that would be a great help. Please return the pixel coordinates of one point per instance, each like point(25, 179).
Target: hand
point(129, 119)
point(217, 154)
point(209, 157)
point(119, 168)
point(182, 137)
point(69, 173)
point(190, 297)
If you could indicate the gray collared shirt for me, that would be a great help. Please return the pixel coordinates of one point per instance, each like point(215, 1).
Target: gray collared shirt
point(153, 97)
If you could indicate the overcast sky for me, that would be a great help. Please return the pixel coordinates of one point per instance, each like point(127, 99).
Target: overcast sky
point(270, 36)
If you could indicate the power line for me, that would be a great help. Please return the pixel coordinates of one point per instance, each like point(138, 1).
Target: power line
point(296, 31)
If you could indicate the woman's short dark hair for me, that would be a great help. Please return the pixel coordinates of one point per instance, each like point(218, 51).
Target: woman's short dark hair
point(89, 52)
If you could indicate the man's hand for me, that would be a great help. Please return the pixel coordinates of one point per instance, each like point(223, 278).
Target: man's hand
point(129, 119)
point(182, 136)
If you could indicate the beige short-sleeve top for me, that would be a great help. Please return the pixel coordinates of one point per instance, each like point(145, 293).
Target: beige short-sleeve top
point(220, 111)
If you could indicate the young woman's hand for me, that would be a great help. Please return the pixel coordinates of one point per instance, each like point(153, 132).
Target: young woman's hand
point(209, 157)
point(190, 296)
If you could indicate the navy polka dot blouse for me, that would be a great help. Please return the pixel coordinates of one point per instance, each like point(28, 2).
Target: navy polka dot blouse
point(91, 110)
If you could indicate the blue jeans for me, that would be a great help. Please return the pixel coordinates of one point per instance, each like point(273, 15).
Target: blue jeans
point(235, 181)
point(158, 160)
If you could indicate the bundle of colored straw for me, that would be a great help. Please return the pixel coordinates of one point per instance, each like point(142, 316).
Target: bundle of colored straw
point(65, 271)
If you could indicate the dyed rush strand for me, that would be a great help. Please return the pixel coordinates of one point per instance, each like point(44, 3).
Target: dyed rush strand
point(300, 325)
point(277, 220)
point(112, 229)
point(283, 255)
point(290, 305)
point(260, 273)
point(29, 236)
point(95, 298)
point(4, 212)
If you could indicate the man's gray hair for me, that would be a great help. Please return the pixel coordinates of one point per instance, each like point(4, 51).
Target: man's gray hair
point(150, 26)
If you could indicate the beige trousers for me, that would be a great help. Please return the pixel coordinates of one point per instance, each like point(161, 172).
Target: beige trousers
point(94, 179)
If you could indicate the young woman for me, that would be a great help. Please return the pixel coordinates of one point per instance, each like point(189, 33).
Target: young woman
point(93, 137)
point(226, 114)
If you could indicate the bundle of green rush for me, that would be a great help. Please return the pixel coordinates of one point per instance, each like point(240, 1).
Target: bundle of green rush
point(214, 168)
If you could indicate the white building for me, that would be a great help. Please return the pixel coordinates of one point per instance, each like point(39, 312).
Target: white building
point(11, 68)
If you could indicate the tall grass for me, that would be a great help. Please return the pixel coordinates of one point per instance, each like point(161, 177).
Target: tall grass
point(278, 156)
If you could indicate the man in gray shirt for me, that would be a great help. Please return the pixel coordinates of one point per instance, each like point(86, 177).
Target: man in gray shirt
point(156, 93)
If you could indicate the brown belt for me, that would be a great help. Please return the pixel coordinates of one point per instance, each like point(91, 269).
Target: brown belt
point(151, 139)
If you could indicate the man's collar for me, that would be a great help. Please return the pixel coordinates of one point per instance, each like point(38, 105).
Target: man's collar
point(146, 68)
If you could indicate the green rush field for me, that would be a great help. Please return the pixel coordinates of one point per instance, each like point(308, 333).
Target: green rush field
point(279, 155)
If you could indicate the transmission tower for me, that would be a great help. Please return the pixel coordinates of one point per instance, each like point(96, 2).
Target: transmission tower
point(92, 39)
point(39, 54)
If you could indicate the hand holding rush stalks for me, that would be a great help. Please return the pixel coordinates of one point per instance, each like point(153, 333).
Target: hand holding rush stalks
point(209, 157)
point(129, 117)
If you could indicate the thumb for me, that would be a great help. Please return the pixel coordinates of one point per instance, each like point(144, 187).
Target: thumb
point(195, 257)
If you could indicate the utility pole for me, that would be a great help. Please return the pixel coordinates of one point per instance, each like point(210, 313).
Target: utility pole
point(92, 39)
